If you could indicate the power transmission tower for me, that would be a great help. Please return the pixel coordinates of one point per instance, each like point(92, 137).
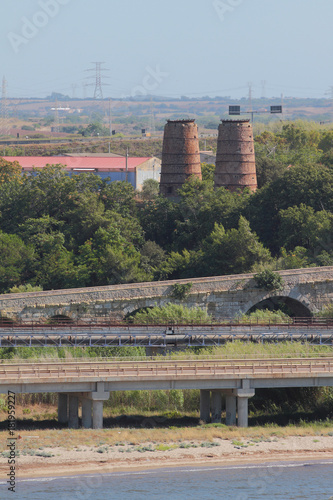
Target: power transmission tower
point(330, 94)
point(74, 87)
point(263, 89)
point(4, 128)
point(282, 105)
point(98, 93)
point(152, 117)
point(56, 117)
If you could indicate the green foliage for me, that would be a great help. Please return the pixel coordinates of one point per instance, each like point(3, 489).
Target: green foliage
point(326, 312)
point(265, 316)
point(25, 289)
point(171, 314)
point(208, 171)
point(94, 129)
point(302, 226)
point(9, 171)
point(269, 280)
point(59, 231)
point(180, 291)
point(233, 252)
point(17, 261)
point(150, 189)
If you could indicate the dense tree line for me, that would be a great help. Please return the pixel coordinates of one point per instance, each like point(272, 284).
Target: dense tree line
point(59, 231)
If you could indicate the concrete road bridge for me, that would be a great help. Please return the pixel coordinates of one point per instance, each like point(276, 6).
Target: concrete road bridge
point(90, 382)
point(305, 291)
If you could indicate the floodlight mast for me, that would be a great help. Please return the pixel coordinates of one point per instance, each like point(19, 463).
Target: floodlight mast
point(235, 110)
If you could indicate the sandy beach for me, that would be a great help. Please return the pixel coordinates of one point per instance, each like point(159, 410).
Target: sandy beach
point(59, 461)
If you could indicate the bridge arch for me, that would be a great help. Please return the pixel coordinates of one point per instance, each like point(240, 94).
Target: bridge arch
point(60, 319)
point(291, 306)
point(5, 321)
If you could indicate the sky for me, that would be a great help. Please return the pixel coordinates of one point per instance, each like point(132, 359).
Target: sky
point(167, 47)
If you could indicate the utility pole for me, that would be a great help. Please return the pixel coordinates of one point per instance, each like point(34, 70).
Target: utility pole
point(126, 175)
point(110, 118)
point(250, 99)
point(56, 116)
point(4, 129)
point(110, 125)
point(330, 94)
point(282, 104)
point(152, 117)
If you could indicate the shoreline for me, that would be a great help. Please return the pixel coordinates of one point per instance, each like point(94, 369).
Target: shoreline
point(77, 462)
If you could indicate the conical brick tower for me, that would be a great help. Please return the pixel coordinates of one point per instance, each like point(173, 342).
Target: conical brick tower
point(180, 156)
point(235, 158)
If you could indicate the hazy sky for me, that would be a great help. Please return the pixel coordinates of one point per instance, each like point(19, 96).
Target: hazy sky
point(168, 47)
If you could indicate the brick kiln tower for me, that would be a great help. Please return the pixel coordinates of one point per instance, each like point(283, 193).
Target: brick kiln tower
point(235, 158)
point(180, 155)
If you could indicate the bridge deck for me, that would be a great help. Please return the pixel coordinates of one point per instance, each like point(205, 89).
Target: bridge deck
point(115, 371)
point(161, 335)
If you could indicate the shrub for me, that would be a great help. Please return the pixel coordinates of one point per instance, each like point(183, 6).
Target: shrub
point(269, 280)
point(172, 314)
point(181, 291)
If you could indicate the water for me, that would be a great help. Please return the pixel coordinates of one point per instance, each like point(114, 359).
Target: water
point(282, 481)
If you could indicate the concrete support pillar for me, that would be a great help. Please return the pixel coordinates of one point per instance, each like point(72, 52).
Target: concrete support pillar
point(97, 414)
point(230, 410)
point(73, 417)
point(243, 411)
point(62, 408)
point(216, 407)
point(243, 396)
point(204, 405)
point(86, 413)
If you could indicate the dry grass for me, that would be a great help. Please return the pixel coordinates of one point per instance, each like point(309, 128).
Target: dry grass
point(71, 439)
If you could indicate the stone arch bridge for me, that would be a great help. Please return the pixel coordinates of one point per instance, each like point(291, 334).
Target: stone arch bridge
point(305, 292)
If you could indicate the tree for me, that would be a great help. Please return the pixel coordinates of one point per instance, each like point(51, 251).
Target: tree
point(158, 220)
point(17, 261)
point(94, 129)
point(269, 280)
point(10, 171)
point(111, 258)
point(233, 252)
point(120, 197)
point(311, 185)
point(150, 189)
point(152, 257)
point(302, 226)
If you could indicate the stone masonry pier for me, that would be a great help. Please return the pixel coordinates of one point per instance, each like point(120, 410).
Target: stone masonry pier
point(305, 292)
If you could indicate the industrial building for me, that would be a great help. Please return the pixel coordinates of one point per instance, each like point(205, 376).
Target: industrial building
point(105, 166)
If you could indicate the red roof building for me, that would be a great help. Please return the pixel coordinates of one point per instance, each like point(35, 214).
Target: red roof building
point(138, 169)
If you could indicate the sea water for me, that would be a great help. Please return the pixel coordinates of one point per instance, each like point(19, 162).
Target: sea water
point(278, 481)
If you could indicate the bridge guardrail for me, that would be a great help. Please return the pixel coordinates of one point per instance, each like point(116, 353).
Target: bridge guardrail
point(6, 323)
point(181, 368)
